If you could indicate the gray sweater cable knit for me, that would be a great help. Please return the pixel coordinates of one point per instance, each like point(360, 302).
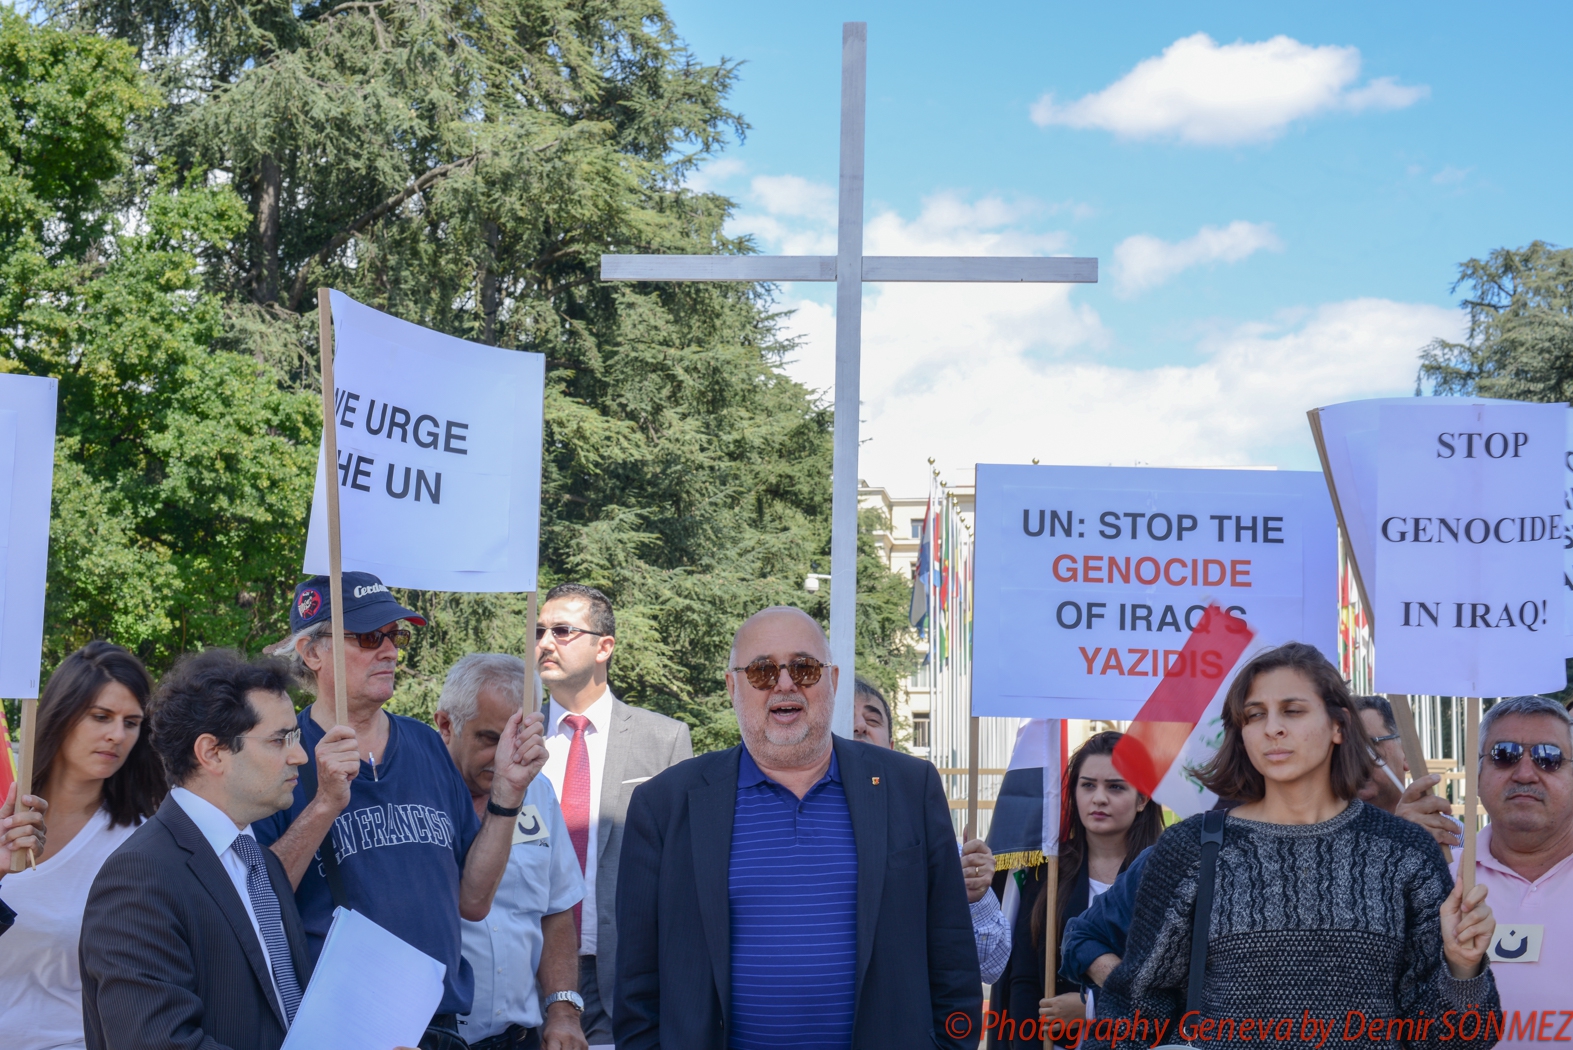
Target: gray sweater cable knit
point(1309, 923)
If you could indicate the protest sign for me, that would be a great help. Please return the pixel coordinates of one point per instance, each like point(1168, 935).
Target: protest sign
point(27, 469)
point(1468, 547)
point(1089, 580)
point(438, 459)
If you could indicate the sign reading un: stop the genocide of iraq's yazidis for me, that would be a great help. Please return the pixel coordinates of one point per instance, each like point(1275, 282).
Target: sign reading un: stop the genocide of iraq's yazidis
point(1469, 548)
point(1088, 580)
point(439, 444)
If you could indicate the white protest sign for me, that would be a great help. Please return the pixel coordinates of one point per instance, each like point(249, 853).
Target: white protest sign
point(1469, 547)
point(1089, 579)
point(27, 470)
point(439, 445)
point(1567, 543)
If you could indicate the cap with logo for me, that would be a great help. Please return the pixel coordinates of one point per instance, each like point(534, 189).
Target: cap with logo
point(367, 604)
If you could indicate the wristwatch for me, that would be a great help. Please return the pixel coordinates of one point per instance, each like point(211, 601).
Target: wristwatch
point(572, 998)
point(492, 807)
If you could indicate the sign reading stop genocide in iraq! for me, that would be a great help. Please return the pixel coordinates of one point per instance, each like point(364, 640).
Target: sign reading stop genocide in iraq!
point(1089, 579)
point(439, 444)
point(1469, 548)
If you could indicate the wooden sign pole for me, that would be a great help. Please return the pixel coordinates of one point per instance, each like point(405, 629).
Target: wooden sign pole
point(1466, 864)
point(533, 704)
point(24, 774)
point(330, 454)
point(971, 830)
point(1051, 923)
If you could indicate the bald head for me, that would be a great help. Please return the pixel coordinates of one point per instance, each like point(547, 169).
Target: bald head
point(779, 622)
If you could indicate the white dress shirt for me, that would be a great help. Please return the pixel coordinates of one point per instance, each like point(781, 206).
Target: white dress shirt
point(504, 949)
point(559, 738)
point(221, 832)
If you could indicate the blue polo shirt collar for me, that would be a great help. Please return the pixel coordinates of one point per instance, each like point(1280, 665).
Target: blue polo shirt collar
point(750, 775)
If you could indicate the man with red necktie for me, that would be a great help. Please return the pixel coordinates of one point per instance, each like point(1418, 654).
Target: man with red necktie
point(598, 750)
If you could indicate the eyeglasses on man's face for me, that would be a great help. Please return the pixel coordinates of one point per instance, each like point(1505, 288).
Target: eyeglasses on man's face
point(399, 636)
point(281, 741)
point(565, 632)
point(763, 673)
point(1506, 754)
point(1384, 739)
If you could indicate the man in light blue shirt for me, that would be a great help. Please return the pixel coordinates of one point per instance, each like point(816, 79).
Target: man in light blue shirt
point(525, 953)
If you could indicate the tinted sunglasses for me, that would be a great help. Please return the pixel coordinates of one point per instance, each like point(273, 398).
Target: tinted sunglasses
point(562, 632)
point(399, 636)
point(1506, 754)
point(764, 672)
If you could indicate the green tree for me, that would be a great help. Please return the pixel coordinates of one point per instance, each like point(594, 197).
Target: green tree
point(1519, 343)
point(464, 167)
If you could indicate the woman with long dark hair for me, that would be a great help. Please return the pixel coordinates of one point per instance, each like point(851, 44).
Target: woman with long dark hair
point(1324, 907)
point(1105, 823)
point(95, 766)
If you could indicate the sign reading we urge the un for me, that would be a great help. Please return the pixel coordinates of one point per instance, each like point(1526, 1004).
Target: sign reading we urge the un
point(439, 457)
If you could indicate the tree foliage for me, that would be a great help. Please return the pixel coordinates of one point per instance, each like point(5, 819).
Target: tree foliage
point(462, 167)
point(1519, 343)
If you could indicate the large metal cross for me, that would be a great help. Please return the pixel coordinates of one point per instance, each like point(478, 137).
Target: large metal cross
point(848, 268)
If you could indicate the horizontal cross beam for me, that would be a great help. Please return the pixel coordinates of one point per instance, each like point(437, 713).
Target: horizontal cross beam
point(958, 268)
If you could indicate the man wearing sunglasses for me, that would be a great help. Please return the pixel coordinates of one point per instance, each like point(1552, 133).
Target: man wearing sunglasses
point(600, 749)
point(382, 821)
point(1524, 857)
point(797, 890)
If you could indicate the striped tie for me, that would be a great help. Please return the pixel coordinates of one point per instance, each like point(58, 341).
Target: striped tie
point(265, 904)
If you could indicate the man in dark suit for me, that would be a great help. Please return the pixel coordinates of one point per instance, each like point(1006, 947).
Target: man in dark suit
point(796, 890)
point(190, 938)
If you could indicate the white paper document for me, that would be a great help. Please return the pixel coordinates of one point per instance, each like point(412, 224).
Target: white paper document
point(370, 990)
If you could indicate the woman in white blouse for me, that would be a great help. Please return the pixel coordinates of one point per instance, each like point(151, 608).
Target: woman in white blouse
point(96, 767)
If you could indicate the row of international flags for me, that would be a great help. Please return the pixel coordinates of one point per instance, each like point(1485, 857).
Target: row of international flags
point(941, 609)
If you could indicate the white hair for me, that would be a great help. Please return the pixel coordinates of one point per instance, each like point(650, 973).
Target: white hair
point(462, 689)
point(1522, 705)
point(289, 651)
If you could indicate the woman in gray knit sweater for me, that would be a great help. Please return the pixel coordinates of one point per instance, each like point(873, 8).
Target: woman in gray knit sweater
point(1334, 925)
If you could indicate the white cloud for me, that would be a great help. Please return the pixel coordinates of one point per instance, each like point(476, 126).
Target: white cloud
point(1142, 262)
point(1205, 93)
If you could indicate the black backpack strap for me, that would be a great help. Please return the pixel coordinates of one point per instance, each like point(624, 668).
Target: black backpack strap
point(1206, 880)
point(329, 855)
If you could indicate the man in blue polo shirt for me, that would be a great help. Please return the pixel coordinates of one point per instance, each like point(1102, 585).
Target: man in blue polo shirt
point(408, 848)
point(797, 890)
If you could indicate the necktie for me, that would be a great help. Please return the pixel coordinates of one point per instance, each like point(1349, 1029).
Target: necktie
point(576, 795)
point(265, 905)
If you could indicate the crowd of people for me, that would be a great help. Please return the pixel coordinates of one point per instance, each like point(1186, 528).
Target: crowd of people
point(585, 880)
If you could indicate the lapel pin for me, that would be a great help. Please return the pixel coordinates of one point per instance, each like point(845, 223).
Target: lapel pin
point(876, 781)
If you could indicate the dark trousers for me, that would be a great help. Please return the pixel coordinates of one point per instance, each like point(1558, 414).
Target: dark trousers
point(597, 1018)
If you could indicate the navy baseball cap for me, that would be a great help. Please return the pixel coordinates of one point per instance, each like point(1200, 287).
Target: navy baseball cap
point(367, 604)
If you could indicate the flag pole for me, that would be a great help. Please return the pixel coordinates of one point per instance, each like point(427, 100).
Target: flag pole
point(971, 831)
point(330, 460)
point(24, 775)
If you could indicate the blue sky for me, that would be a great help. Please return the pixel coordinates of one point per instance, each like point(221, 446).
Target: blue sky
point(1279, 195)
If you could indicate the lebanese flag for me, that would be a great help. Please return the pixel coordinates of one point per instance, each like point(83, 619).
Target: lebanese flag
point(1181, 724)
point(7, 758)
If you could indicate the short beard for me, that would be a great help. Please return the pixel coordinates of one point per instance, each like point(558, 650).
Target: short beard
point(799, 748)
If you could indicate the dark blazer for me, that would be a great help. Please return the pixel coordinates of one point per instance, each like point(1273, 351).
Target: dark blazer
point(1025, 982)
point(169, 958)
point(917, 965)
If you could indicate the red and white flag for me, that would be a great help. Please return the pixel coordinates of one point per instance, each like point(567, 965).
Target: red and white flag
point(1181, 724)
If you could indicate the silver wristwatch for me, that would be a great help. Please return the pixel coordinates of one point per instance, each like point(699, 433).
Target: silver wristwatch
point(573, 998)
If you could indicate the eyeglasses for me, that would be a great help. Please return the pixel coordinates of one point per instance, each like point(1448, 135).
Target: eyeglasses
point(287, 741)
point(1506, 754)
point(563, 632)
point(764, 672)
point(1384, 739)
point(399, 636)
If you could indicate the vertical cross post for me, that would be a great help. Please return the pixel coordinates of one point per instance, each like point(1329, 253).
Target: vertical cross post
point(849, 326)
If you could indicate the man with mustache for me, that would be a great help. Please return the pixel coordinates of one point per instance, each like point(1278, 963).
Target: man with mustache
point(797, 890)
point(1524, 857)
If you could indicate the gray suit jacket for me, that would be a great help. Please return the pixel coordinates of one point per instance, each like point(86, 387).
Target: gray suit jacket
point(640, 745)
point(168, 955)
